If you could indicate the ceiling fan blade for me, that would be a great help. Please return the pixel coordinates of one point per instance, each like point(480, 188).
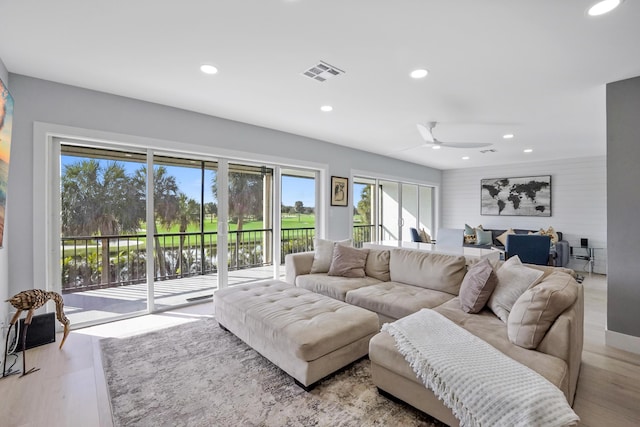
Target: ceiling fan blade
point(425, 132)
point(464, 144)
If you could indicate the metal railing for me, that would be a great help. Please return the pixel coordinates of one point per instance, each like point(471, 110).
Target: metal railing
point(94, 262)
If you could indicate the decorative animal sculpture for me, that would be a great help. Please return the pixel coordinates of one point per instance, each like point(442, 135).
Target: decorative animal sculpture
point(31, 300)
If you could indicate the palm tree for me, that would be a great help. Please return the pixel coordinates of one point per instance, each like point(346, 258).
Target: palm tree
point(165, 198)
point(188, 213)
point(99, 200)
point(245, 195)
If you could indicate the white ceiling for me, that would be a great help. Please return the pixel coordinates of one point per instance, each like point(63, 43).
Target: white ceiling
point(537, 69)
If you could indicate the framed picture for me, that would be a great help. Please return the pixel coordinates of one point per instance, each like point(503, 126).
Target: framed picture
point(6, 118)
point(339, 191)
point(521, 196)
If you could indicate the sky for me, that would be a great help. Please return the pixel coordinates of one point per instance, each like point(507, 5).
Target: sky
point(188, 179)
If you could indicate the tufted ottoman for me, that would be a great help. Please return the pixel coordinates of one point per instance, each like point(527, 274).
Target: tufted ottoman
point(307, 335)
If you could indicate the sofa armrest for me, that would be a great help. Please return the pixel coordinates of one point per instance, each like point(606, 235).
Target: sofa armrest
point(565, 340)
point(296, 265)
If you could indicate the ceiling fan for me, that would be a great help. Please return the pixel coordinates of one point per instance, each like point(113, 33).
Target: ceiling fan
point(426, 131)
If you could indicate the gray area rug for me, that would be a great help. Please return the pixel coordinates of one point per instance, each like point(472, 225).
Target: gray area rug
point(196, 374)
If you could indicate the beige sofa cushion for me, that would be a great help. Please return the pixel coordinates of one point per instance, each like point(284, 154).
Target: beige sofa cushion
point(537, 308)
point(431, 271)
point(348, 261)
point(396, 300)
point(477, 286)
point(323, 254)
point(377, 265)
point(513, 279)
point(333, 286)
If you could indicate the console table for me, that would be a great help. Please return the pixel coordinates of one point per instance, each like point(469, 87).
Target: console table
point(585, 253)
point(465, 251)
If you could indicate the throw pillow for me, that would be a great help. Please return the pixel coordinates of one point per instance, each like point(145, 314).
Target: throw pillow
point(551, 233)
point(483, 237)
point(538, 308)
point(469, 231)
point(513, 279)
point(503, 237)
point(348, 261)
point(324, 253)
point(477, 286)
point(424, 236)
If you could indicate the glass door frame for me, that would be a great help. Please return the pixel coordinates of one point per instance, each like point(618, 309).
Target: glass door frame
point(378, 178)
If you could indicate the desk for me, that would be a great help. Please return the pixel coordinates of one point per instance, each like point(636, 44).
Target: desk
point(585, 253)
point(471, 254)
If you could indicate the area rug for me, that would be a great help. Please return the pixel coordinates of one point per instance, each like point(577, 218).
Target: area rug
point(196, 374)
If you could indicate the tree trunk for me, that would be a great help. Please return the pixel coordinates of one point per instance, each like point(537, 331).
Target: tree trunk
point(181, 259)
point(104, 277)
point(160, 262)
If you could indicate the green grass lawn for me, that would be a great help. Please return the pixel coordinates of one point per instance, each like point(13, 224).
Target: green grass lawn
point(291, 221)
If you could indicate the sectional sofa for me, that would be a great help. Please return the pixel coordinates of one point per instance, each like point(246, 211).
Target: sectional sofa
point(399, 282)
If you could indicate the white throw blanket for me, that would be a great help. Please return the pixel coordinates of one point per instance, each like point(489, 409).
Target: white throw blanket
point(480, 384)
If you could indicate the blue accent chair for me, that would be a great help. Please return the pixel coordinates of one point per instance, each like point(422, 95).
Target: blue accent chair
point(531, 249)
point(415, 236)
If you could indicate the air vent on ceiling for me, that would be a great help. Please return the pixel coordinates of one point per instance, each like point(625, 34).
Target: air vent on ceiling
point(488, 150)
point(322, 71)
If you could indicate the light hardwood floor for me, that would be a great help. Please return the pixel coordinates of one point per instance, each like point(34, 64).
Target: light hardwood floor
point(69, 389)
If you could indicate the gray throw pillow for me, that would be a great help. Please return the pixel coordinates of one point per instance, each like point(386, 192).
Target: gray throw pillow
point(477, 286)
point(324, 253)
point(483, 237)
point(348, 261)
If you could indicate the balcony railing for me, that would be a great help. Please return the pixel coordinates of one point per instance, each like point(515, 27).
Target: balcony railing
point(177, 255)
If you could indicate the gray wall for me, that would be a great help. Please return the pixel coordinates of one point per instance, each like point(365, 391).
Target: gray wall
point(44, 101)
point(623, 206)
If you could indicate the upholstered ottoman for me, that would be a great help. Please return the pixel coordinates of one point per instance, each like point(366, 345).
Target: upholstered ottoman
point(307, 335)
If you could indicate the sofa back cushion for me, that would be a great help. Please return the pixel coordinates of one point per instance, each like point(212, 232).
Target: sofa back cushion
point(538, 308)
point(377, 265)
point(439, 272)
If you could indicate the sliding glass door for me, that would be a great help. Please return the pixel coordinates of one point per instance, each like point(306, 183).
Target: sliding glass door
point(103, 250)
point(387, 210)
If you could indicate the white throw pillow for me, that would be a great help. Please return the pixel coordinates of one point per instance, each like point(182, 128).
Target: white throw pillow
point(324, 254)
point(513, 280)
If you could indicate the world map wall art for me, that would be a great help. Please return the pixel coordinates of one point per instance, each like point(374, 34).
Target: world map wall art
point(522, 196)
point(6, 116)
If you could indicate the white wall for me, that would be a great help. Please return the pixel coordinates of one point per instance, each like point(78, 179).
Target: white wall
point(43, 101)
point(578, 201)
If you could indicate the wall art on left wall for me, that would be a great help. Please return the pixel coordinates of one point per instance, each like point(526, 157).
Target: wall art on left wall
point(6, 120)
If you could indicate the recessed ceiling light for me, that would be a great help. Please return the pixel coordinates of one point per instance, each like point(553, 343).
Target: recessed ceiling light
point(419, 73)
point(465, 158)
point(602, 7)
point(208, 69)
point(326, 108)
point(508, 136)
point(436, 147)
point(528, 150)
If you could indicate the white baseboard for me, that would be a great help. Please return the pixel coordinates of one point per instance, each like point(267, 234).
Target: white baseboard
point(622, 341)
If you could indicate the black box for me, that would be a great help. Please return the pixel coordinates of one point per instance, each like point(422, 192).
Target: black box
point(41, 331)
point(584, 243)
